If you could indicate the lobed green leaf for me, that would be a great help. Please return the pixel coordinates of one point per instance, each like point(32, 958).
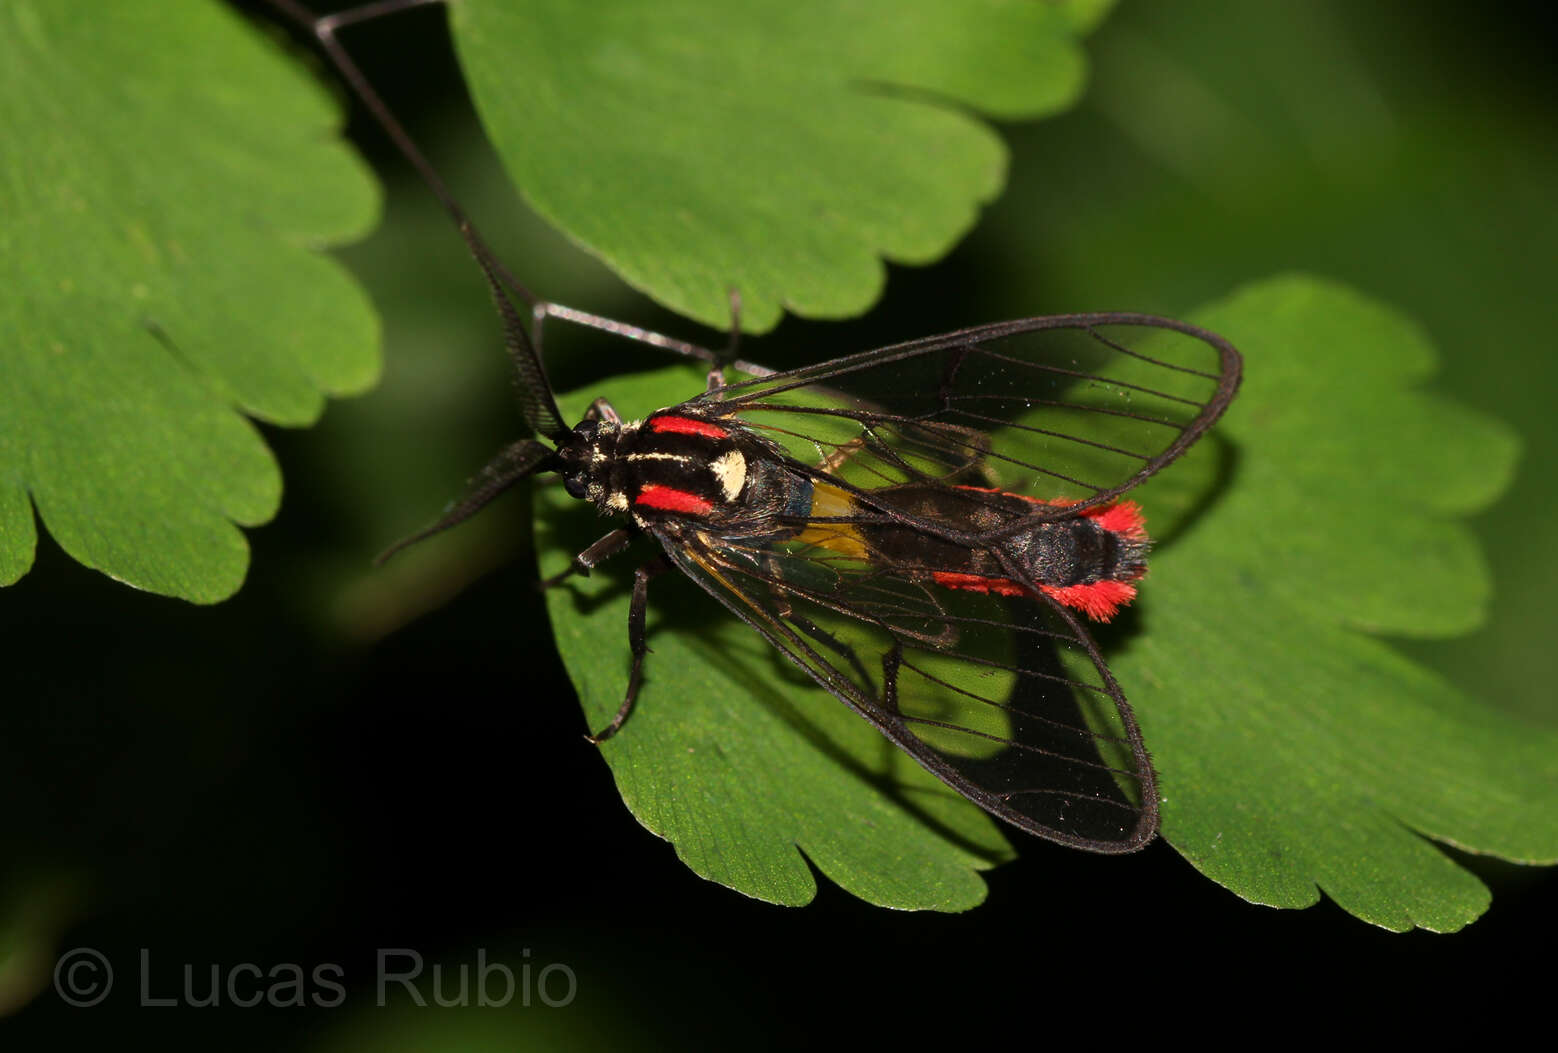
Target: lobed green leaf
point(168, 181)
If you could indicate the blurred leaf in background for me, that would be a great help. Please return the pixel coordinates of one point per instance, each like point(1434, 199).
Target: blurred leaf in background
point(33, 913)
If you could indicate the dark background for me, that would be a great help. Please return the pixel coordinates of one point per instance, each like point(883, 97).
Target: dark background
point(340, 759)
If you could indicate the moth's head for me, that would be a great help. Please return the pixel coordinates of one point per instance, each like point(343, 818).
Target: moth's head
point(583, 455)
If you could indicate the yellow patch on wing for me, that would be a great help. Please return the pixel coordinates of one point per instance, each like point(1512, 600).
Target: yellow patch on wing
point(829, 502)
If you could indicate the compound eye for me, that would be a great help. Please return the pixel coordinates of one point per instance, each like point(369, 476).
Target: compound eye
point(575, 485)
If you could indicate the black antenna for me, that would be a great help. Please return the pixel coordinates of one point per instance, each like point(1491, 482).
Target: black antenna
point(535, 393)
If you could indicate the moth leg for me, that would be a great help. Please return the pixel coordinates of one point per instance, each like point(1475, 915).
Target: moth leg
point(539, 310)
point(637, 334)
point(636, 611)
point(978, 445)
point(734, 343)
point(717, 360)
point(716, 376)
point(965, 451)
point(787, 611)
point(366, 13)
point(592, 557)
point(831, 642)
point(841, 454)
point(891, 660)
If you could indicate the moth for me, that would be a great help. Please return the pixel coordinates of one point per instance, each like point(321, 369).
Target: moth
point(924, 529)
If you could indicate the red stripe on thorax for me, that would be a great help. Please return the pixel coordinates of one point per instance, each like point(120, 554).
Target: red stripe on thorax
point(687, 426)
point(670, 499)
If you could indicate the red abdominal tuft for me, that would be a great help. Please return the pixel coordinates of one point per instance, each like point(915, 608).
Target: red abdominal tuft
point(1122, 517)
point(1100, 601)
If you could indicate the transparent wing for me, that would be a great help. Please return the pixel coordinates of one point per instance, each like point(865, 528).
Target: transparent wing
point(1007, 701)
point(1075, 409)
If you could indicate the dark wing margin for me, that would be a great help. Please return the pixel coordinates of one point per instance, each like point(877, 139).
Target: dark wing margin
point(1075, 409)
point(1007, 701)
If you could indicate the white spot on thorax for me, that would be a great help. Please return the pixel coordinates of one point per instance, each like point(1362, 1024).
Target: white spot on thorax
point(730, 471)
point(618, 501)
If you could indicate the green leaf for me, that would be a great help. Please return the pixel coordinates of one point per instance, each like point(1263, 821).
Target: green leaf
point(1298, 753)
point(1295, 750)
point(731, 753)
point(169, 180)
point(780, 149)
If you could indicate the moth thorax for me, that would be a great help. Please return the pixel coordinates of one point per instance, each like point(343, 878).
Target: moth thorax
point(675, 465)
